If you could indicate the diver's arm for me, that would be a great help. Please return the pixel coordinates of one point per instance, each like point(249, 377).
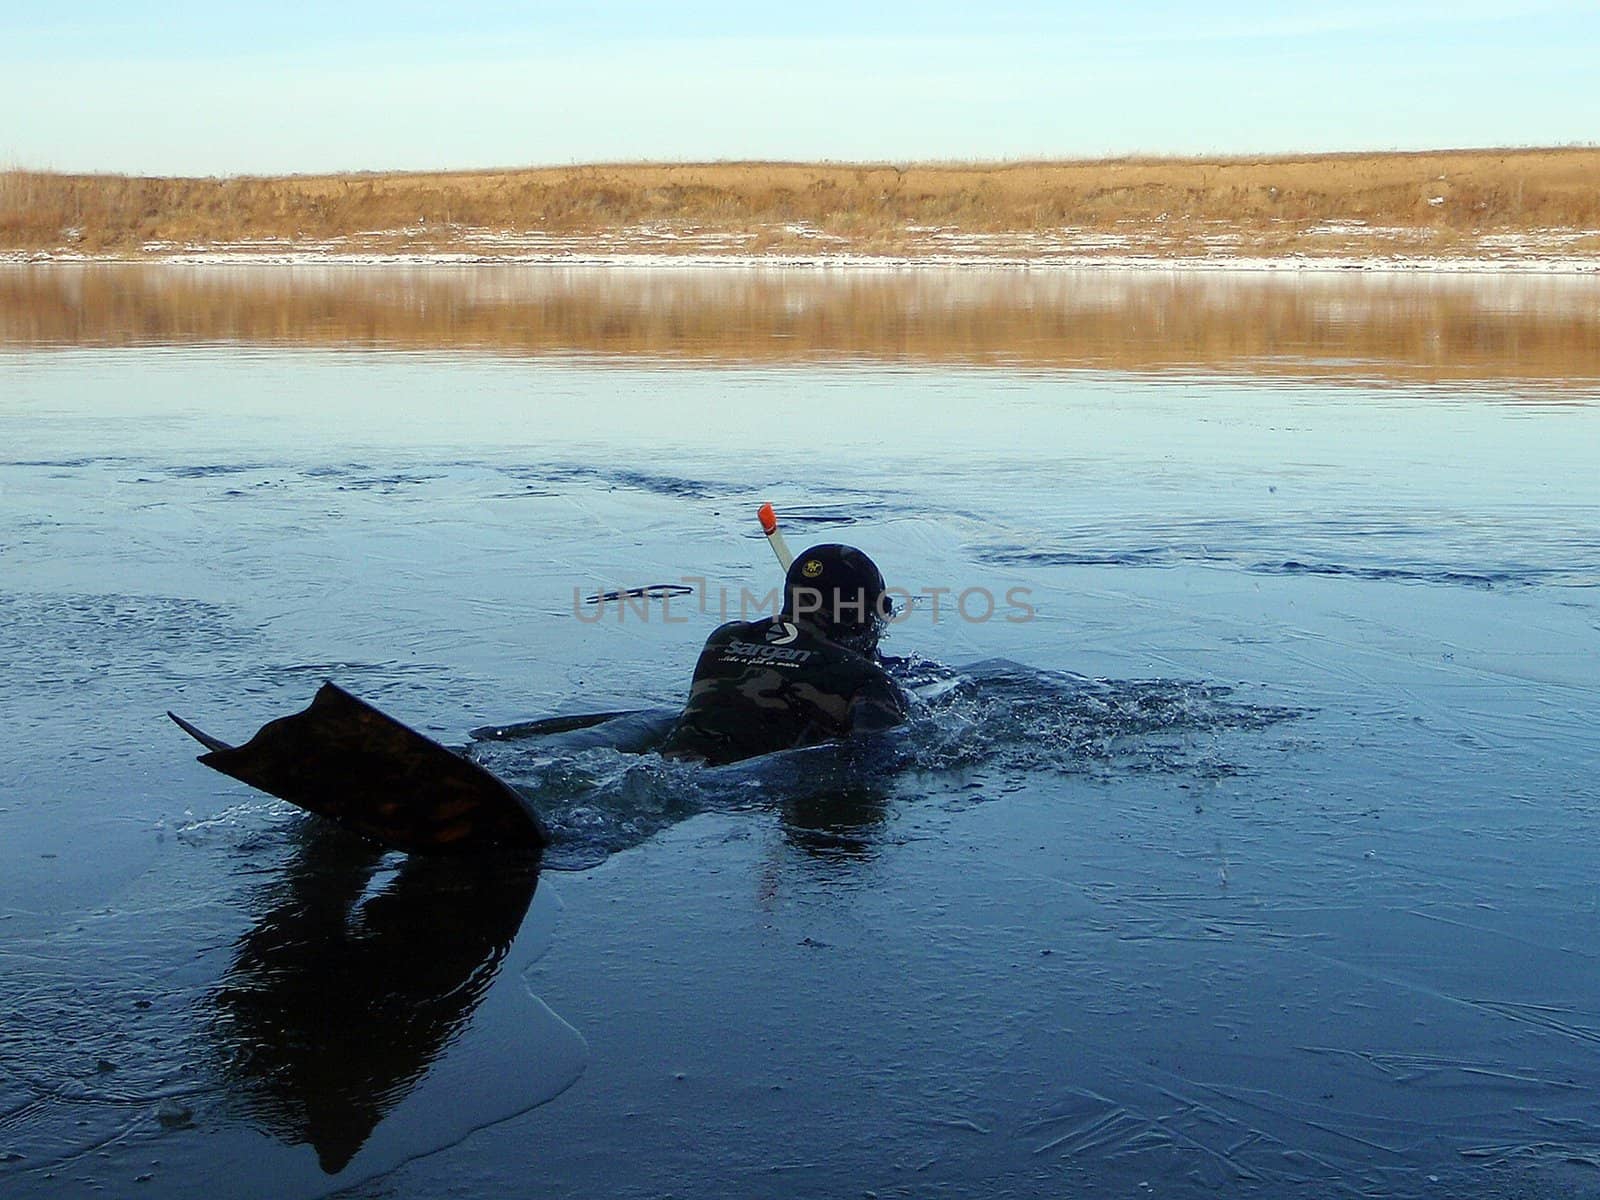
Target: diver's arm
point(880, 704)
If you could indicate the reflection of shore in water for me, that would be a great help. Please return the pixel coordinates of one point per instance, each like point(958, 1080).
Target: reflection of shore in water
point(354, 979)
point(1352, 327)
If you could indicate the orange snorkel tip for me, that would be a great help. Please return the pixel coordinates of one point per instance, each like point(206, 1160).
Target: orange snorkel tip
point(769, 526)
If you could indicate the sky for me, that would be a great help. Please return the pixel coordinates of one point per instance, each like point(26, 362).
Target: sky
point(177, 87)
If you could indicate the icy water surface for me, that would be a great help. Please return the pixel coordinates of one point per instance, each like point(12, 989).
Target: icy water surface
point(1257, 860)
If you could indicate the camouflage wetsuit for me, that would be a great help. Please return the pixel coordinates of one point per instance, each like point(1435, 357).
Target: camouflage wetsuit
point(775, 684)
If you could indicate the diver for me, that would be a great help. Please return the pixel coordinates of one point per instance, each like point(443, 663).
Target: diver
point(810, 674)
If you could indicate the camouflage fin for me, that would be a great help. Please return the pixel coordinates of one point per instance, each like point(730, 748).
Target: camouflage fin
point(343, 759)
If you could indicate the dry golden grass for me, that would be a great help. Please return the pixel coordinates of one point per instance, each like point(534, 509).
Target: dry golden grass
point(1443, 199)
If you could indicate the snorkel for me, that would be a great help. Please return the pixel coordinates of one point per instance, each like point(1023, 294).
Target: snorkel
point(769, 526)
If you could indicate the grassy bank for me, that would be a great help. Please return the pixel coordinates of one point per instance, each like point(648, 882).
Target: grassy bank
point(1435, 203)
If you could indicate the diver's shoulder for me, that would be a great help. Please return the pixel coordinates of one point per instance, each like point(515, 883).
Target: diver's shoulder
point(767, 631)
point(742, 631)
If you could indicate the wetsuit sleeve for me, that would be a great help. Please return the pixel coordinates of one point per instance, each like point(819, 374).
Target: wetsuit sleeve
point(880, 704)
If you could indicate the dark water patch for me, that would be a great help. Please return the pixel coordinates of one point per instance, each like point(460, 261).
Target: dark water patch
point(673, 486)
point(385, 483)
point(355, 476)
point(664, 485)
point(1022, 556)
point(801, 518)
point(209, 470)
point(823, 515)
point(261, 485)
point(1407, 574)
point(1445, 549)
point(332, 471)
point(348, 477)
point(84, 461)
point(366, 477)
point(1169, 556)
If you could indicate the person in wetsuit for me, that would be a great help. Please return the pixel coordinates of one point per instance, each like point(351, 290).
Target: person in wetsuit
point(811, 674)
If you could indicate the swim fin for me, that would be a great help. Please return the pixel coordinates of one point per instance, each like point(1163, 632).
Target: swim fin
point(344, 760)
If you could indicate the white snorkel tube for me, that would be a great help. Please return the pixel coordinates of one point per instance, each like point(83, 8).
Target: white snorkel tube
point(769, 526)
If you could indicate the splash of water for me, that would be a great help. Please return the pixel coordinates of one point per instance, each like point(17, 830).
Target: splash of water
point(598, 800)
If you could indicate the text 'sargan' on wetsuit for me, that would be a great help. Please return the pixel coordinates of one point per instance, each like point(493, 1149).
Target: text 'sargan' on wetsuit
point(775, 684)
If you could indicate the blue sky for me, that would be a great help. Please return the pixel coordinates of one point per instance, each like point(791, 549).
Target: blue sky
point(206, 89)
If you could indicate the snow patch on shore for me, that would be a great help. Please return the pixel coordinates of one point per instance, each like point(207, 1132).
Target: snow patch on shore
point(1353, 245)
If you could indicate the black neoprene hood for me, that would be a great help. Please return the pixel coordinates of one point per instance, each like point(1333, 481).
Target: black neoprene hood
point(837, 588)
